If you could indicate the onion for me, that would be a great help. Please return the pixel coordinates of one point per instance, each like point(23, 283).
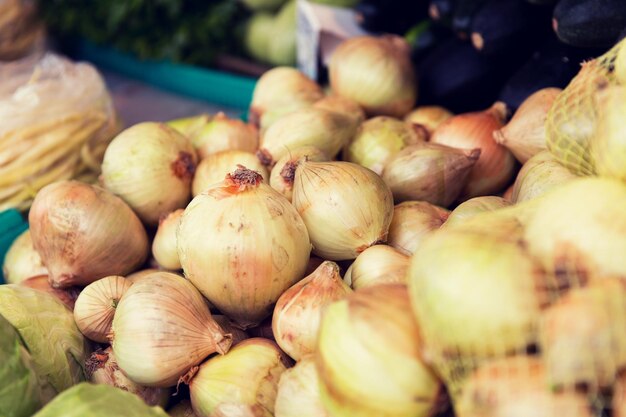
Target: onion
point(496, 164)
point(583, 336)
point(237, 335)
point(282, 88)
point(342, 105)
point(429, 172)
point(136, 276)
point(607, 144)
point(150, 165)
point(517, 386)
point(297, 314)
point(376, 265)
point(346, 208)
point(618, 404)
point(475, 296)
point(40, 282)
point(379, 139)
point(525, 134)
point(283, 173)
point(22, 260)
point(298, 393)
point(264, 330)
point(376, 72)
point(182, 409)
point(214, 168)
point(539, 174)
point(241, 383)
point(620, 65)
point(508, 194)
point(474, 206)
point(324, 129)
point(430, 117)
point(221, 133)
point(162, 328)
point(576, 241)
point(258, 246)
point(84, 233)
point(412, 221)
point(164, 247)
point(369, 357)
point(101, 368)
point(96, 304)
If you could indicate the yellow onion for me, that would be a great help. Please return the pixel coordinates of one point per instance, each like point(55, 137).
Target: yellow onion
point(412, 221)
point(583, 336)
point(578, 230)
point(430, 117)
point(608, 144)
point(285, 89)
point(84, 233)
point(538, 175)
point(376, 265)
point(220, 133)
point(430, 172)
point(496, 165)
point(136, 276)
point(369, 357)
point(182, 409)
point(376, 72)
point(379, 139)
point(474, 206)
point(150, 165)
point(241, 383)
point(22, 260)
point(342, 105)
point(620, 65)
point(214, 168)
point(326, 130)
point(164, 248)
point(162, 328)
point(618, 403)
point(508, 194)
point(517, 386)
point(40, 282)
point(525, 134)
point(237, 335)
point(283, 173)
point(298, 311)
point(96, 304)
point(264, 330)
point(188, 126)
point(346, 208)
point(475, 296)
point(242, 245)
point(298, 393)
point(101, 368)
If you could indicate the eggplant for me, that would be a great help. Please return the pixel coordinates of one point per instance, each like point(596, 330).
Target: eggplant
point(553, 65)
point(441, 10)
point(589, 23)
point(428, 38)
point(390, 16)
point(463, 16)
point(502, 25)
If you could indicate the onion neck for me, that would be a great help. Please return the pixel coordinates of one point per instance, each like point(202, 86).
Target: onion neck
point(243, 179)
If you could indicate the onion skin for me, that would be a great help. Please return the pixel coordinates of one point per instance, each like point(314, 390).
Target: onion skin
point(618, 404)
point(298, 311)
point(283, 173)
point(83, 233)
point(342, 105)
point(346, 208)
point(136, 276)
point(95, 307)
point(608, 145)
point(430, 117)
point(259, 246)
point(525, 134)
point(22, 260)
point(376, 265)
point(412, 221)
point(164, 247)
point(241, 383)
point(516, 386)
point(215, 167)
point(429, 172)
point(540, 174)
point(182, 409)
point(474, 206)
point(298, 394)
point(224, 134)
point(376, 72)
point(237, 335)
point(162, 328)
point(496, 165)
point(67, 295)
point(150, 166)
point(369, 357)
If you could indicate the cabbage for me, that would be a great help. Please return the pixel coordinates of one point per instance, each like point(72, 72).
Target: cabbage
point(88, 400)
point(20, 393)
point(49, 334)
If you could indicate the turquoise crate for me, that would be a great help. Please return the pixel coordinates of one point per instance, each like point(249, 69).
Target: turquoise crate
point(12, 224)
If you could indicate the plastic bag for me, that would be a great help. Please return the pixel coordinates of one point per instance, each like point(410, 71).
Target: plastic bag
point(57, 120)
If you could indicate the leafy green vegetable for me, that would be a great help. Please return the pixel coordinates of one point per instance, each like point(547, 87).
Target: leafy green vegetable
point(88, 400)
point(192, 31)
point(20, 393)
point(48, 331)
